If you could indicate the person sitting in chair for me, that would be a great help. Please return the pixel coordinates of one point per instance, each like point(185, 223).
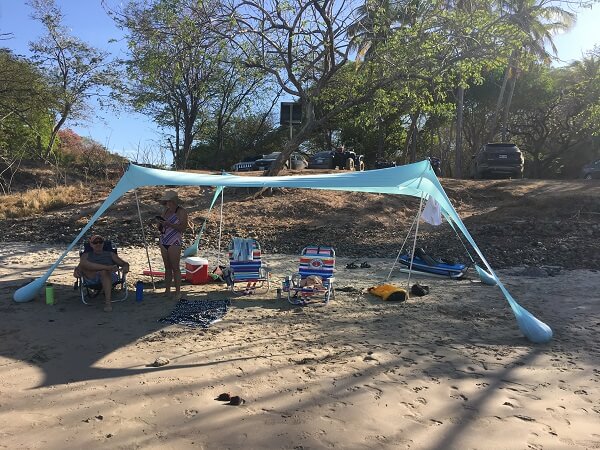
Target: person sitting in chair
point(100, 266)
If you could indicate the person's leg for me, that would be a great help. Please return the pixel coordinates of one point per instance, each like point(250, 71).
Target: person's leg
point(106, 278)
point(174, 255)
point(164, 252)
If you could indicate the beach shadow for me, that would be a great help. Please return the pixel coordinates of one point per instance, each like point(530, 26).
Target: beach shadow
point(68, 341)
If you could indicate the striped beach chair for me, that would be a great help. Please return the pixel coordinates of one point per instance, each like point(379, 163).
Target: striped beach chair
point(89, 290)
point(246, 266)
point(317, 263)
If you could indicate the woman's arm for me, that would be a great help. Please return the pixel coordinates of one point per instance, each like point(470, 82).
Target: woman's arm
point(182, 215)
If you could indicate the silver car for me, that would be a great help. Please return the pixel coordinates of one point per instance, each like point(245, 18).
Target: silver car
point(296, 161)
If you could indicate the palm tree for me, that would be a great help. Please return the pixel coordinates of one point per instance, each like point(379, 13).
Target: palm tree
point(539, 20)
point(376, 22)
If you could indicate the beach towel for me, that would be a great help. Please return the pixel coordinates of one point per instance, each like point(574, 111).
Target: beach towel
point(432, 213)
point(242, 249)
point(197, 313)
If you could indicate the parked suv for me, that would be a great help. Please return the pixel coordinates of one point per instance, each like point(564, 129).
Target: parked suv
point(498, 159)
point(591, 171)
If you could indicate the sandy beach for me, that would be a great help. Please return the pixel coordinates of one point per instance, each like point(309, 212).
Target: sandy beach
point(449, 370)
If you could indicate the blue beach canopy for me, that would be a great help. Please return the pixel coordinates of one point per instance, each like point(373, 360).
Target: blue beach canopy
point(417, 180)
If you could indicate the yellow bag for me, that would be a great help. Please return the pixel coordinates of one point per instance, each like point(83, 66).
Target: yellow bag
point(389, 292)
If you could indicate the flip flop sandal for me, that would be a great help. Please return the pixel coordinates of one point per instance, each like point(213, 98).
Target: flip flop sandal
point(365, 265)
point(351, 266)
point(236, 400)
point(224, 397)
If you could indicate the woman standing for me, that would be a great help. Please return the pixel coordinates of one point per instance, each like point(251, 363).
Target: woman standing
point(172, 225)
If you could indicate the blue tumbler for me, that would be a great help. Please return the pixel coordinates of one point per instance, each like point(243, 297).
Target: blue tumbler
point(139, 291)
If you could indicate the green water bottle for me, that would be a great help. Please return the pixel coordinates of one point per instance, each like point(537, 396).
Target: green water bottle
point(49, 294)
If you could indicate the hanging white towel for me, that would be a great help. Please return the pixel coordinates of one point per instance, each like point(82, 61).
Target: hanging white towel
point(247, 252)
point(432, 213)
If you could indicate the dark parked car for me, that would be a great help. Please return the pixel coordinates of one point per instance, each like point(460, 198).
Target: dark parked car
point(498, 159)
point(383, 164)
point(247, 164)
point(342, 158)
point(321, 160)
point(296, 161)
point(348, 159)
point(591, 171)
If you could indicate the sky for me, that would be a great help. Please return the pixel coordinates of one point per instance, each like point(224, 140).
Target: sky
point(128, 132)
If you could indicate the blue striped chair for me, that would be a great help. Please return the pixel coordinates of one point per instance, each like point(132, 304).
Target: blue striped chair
point(315, 261)
point(246, 265)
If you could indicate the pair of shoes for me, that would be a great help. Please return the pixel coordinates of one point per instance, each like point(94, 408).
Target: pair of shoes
point(419, 290)
point(234, 400)
point(351, 266)
point(365, 265)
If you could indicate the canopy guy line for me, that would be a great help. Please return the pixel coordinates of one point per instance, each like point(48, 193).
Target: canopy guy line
point(137, 202)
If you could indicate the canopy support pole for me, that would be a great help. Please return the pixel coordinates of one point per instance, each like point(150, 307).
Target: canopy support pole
point(401, 248)
point(137, 202)
point(412, 257)
point(220, 231)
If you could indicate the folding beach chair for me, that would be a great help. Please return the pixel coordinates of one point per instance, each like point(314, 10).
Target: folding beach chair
point(90, 290)
point(246, 266)
point(314, 281)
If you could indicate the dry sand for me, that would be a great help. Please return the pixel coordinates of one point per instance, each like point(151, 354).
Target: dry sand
point(446, 371)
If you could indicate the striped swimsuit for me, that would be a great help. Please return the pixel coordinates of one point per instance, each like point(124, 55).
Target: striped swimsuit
point(170, 236)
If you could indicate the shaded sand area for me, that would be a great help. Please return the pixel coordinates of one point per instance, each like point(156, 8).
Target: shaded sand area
point(446, 371)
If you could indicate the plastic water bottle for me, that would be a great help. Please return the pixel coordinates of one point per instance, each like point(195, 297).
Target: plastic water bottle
point(139, 291)
point(49, 294)
point(286, 284)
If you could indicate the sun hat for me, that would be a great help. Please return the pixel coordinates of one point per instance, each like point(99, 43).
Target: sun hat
point(170, 196)
point(96, 236)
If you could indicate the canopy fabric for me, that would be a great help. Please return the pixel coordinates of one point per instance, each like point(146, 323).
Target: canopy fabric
point(417, 180)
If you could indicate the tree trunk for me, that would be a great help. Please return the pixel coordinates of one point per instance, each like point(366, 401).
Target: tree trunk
point(513, 81)
point(379, 153)
point(494, 124)
point(409, 137)
point(460, 94)
point(413, 145)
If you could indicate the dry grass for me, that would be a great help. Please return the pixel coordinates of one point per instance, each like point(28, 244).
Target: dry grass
point(39, 201)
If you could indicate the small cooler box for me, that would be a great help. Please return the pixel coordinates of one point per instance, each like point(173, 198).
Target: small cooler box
point(196, 270)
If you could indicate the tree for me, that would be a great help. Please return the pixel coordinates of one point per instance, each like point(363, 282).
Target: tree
point(173, 68)
point(25, 121)
point(75, 71)
point(538, 20)
point(552, 111)
point(304, 45)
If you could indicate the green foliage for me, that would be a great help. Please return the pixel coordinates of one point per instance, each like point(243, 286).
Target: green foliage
point(185, 75)
point(74, 70)
point(553, 117)
point(25, 121)
point(242, 137)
